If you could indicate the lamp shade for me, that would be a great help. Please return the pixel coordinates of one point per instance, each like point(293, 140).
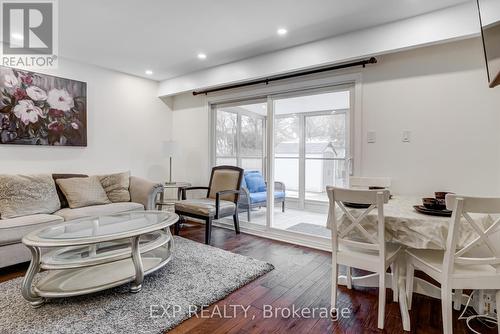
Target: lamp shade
point(170, 148)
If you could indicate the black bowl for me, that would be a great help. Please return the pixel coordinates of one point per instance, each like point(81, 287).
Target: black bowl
point(433, 203)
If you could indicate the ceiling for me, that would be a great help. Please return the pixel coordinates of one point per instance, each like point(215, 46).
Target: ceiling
point(165, 36)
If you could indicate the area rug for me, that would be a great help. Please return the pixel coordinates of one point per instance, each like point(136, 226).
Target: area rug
point(311, 229)
point(198, 275)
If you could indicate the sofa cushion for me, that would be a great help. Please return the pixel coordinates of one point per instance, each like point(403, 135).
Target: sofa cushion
point(262, 196)
point(255, 181)
point(22, 195)
point(82, 192)
point(62, 198)
point(205, 207)
point(98, 210)
point(13, 254)
point(116, 186)
point(12, 230)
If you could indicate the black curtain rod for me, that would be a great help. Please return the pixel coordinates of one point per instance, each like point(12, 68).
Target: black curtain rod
point(363, 63)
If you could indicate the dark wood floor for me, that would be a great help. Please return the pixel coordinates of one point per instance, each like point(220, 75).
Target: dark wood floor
point(301, 278)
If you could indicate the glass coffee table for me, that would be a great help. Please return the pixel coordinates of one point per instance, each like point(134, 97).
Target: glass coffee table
point(92, 254)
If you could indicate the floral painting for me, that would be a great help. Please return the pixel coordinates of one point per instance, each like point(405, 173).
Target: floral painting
point(39, 109)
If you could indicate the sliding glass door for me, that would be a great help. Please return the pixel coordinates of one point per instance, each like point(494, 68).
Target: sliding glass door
point(291, 147)
point(326, 159)
point(311, 151)
point(287, 152)
point(240, 140)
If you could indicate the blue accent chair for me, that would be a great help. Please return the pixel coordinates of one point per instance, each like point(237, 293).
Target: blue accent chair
point(253, 192)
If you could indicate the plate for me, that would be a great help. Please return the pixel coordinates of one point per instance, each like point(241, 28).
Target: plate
point(356, 205)
point(432, 212)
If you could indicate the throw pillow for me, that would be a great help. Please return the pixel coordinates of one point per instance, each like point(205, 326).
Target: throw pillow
point(116, 186)
point(22, 195)
point(81, 192)
point(62, 199)
point(255, 182)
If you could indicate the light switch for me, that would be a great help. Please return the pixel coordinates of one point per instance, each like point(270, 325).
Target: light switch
point(371, 136)
point(406, 136)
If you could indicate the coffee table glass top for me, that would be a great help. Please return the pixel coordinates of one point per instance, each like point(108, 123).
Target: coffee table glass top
point(102, 228)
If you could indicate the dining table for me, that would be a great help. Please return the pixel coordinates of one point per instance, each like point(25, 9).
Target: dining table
point(411, 229)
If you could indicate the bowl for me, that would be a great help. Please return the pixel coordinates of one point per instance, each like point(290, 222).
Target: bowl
point(441, 194)
point(433, 203)
point(441, 202)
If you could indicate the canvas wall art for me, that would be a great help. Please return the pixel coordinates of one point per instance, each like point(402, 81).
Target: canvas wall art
point(40, 109)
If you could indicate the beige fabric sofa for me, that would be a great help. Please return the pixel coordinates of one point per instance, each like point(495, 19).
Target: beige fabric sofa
point(143, 195)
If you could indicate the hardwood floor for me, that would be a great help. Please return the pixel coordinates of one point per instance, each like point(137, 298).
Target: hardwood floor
point(301, 278)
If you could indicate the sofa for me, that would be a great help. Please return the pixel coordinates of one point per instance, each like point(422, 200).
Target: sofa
point(143, 195)
point(253, 193)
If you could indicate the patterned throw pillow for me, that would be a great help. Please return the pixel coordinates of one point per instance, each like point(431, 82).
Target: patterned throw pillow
point(116, 186)
point(81, 192)
point(23, 195)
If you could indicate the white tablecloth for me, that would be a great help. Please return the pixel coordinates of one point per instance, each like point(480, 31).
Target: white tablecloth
point(406, 226)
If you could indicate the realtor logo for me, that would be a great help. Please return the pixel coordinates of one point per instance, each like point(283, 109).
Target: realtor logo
point(29, 33)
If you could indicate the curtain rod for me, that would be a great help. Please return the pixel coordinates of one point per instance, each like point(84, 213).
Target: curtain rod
point(363, 63)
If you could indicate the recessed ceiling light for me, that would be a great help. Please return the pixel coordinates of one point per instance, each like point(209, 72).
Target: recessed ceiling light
point(149, 72)
point(202, 56)
point(282, 31)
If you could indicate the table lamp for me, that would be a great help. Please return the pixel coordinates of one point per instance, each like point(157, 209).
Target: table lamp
point(170, 149)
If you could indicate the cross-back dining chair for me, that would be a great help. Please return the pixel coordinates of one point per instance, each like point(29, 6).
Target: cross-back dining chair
point(365, 182)
point(221, 200)
point(368, 250)
point(474, 266)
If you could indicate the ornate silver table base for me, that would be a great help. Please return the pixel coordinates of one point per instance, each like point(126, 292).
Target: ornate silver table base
point(27, 287)
point(139, 270)
point(83, 269)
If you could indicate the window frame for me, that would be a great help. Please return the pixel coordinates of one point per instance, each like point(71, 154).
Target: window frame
point(238, 156)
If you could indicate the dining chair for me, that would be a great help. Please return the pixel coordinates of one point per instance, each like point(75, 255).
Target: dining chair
point(474, 266)
point(366, 250)
point(221, 200)
point(365, 182)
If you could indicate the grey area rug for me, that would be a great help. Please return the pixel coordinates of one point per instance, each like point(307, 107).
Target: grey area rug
point(312, 229)
point(197, 275)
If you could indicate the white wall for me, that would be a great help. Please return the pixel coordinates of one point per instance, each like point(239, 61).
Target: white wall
point(438, 92)
point(448, 24)
point(441, 94)
point(191, 130)
point(126, 124)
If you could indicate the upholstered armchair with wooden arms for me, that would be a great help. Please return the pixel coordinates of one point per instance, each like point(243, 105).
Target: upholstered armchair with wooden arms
point(221, 201)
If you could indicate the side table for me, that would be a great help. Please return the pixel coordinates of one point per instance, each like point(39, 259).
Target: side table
point(162, 202)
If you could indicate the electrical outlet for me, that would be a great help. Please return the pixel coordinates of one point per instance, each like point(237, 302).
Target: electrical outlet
point(484, 301)
point(489, 303)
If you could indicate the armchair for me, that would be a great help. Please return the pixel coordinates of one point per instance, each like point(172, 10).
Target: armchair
point(254, 192)
point(221, 200)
